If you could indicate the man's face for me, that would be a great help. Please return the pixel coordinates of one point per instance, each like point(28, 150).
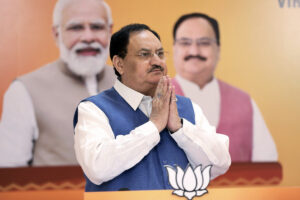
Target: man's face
point(144, 63)
point(196, 52)
point(83, 36)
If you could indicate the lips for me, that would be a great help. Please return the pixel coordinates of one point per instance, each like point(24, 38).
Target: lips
point(156, 70)
point(88, 51)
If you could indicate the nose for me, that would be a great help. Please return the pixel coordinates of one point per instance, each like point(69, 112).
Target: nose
point(156, 60)
point(88, 36)
point(194, 49)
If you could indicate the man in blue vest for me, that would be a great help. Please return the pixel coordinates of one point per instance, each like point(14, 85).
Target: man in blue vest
point(125, 136)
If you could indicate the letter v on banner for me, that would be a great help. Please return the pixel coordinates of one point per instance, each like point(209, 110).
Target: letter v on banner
point(289, 3)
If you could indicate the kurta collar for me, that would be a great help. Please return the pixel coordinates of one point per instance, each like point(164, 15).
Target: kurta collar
point(132, 97)
point(213, 84)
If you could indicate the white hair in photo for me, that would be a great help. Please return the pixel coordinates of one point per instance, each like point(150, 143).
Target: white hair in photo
point(61, 4)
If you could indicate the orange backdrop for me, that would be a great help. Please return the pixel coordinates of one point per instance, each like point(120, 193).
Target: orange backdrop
point(259, 53)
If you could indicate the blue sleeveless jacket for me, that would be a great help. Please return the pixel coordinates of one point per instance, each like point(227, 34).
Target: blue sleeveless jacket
point(149, 173)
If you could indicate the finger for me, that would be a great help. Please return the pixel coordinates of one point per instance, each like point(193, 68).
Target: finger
point(173, 92)
point(162, 90)
point(160, 84)
point(168, 82)
point(165, 86)
point(168, 95)
point(173, 96)
point(158, 90)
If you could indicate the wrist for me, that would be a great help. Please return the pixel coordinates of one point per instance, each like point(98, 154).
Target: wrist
point(158, 125)
point(179, 126)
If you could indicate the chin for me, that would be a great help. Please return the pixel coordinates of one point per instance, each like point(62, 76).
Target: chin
point(155, 80)
point(193, 69)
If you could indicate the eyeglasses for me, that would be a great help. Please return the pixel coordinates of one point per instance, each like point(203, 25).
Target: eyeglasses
point(201, 42)
point(147, 55)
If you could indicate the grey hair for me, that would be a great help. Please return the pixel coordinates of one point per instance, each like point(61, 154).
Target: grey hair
point(61, 4)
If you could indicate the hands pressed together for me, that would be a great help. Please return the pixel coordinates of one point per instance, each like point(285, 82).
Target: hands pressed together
point(164, 108)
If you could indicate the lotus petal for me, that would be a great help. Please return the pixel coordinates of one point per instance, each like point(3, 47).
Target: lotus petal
point(189, 195)
point(179, 177)
point(206, 176)
point(172, 177)
point(201, 192)
point(189, 180)
point(178, 192)
point(199, 177)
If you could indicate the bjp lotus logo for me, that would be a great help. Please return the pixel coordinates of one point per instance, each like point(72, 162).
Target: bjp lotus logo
point(189, 183)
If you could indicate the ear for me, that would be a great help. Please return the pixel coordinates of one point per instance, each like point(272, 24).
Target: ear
point(118, 63)
point(55, 34)
point(219, 53)
point(111, 29)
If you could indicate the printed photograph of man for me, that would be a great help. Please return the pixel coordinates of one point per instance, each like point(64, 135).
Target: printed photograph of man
point(232, 111)
point(35, 126)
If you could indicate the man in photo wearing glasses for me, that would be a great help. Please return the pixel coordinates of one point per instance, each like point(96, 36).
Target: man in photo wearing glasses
point(196, 54)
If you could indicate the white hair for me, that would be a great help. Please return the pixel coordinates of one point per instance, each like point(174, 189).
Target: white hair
point(83, 66)
point(61, 4)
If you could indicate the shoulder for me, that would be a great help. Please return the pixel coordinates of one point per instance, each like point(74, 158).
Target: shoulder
point(109, 69)
point(107, 77)
point(43, 71)
point(103, 96)
point(229, 89)
point(16, 90)
point(184, 102)
point(182, 98)
point(108, 72)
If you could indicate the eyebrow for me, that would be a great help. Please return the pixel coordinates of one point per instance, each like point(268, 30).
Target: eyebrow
point(144, 49)
point(72, 23)
point(77, 22)
point(204, 38)
point(184, 38)
point(201, 38)
point(99, 21)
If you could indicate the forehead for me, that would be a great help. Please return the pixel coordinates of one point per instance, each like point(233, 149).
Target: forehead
point(143, 40)
point(84, 11)
point(195, 28)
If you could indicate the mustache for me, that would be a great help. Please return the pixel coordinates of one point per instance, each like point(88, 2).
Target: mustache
point(202, 58)
point(82, 46)
point(155, 67)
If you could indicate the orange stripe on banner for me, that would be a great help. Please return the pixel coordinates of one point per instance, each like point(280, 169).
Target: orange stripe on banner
point(243, 181)
point(46, 186)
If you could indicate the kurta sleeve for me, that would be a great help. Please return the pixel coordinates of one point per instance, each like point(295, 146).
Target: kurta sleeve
point(103, 156)
point(18, 127)
point(203, 145)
